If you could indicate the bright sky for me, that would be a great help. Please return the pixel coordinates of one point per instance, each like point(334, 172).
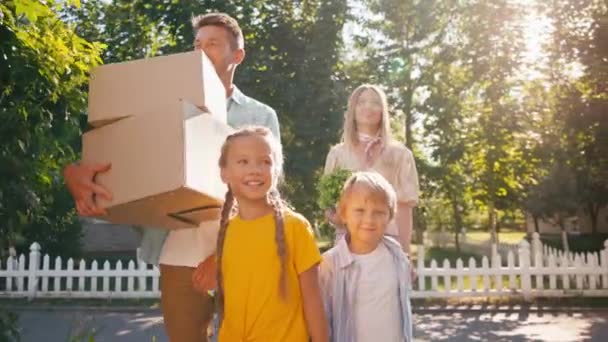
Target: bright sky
point(537, 30)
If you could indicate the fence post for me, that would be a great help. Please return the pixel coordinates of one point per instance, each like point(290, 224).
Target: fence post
point(524, 268)
point(420, 268)
point(34, 264)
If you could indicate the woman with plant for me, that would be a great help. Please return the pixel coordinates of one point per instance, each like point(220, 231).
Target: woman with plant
point(367, 145)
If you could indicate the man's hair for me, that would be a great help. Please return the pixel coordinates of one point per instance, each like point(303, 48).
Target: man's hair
point(222, 20)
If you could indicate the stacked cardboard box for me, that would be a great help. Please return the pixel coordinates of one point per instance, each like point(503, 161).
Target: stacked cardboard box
point(160, 122)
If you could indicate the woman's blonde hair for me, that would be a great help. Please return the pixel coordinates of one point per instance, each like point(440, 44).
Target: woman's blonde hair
point(274, 199)
point(378, 186)
point(349, 130)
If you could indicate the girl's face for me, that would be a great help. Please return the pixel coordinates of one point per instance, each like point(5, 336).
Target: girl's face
point(368, 109)
point(366, 216)
point(249, 167)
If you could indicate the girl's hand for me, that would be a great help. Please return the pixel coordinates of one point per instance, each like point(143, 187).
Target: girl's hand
point(204, 277)
point(314, 314)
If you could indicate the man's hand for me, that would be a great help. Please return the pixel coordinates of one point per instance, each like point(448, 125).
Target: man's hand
point(80, 181)
point(204, 277)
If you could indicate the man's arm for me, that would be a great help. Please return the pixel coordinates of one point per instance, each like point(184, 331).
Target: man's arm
point(79, 179)
point(273, 123)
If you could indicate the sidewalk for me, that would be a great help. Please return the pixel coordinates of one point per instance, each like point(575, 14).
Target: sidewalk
point(77, 324)
point(430, 324)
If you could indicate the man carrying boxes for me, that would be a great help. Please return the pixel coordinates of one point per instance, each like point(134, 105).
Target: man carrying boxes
point(170, 166)
point(161, 123)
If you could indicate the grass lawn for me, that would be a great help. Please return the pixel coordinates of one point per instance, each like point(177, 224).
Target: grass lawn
point(466, 283)
point(511, 237)
point(449, 253)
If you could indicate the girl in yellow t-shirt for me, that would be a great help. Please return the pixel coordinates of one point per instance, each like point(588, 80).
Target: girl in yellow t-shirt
point(267, 280)
point(367, 145)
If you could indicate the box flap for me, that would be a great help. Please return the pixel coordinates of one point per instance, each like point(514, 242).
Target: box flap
point(204, 137)
point(195, 216)
point(152, 85)
point(178, 209)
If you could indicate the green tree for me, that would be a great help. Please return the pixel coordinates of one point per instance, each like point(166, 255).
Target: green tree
point(446, 137)
point(43, 70)
point(578, 102)
point(498, 150)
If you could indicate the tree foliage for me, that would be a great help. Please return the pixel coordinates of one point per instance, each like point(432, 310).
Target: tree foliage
point(43, 72)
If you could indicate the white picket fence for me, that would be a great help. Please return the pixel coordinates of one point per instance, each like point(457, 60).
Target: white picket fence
point(548, 251)
point(21, 277)
point(526, 274)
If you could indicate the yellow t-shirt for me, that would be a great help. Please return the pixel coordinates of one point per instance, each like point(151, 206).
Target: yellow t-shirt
point(253, 308)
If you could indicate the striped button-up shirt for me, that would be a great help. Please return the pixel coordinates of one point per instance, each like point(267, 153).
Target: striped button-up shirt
point(338, 277)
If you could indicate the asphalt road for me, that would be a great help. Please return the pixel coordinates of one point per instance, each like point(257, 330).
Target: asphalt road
point(431, 324)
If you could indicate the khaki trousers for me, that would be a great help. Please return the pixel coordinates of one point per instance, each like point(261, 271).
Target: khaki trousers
point(186, 312)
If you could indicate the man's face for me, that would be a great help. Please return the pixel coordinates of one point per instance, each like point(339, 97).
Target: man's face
point(217, 42)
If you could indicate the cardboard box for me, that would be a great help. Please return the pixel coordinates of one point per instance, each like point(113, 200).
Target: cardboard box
point(165, 169)
point(152, 85)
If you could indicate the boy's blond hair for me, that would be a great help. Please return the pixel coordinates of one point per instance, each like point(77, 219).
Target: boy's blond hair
point(373, 182)
point(349, 129)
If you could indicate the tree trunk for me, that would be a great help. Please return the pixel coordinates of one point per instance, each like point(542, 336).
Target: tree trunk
point(536, 228)
point(492, 223)
point(594, 211)
point(458, 223)
point(562, 225)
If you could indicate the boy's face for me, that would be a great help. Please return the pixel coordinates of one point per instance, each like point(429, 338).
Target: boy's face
point(366, 216)
point(216, 42)
point(249, 169)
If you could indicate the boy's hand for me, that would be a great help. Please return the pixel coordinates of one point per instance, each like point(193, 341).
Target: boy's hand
point(79, 179)
point(204, 277)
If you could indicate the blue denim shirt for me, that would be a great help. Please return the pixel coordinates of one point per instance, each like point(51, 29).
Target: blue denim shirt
point(242, 111)
point(339, 276)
